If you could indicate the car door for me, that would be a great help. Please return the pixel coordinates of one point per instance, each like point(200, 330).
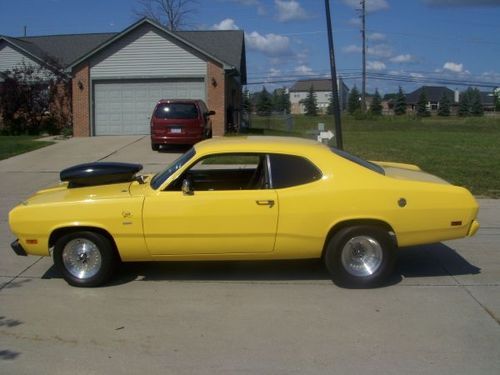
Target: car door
point(226, 207)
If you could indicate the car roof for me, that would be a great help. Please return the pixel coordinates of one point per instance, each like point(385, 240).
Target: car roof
point(179, 101)
point(292, 145)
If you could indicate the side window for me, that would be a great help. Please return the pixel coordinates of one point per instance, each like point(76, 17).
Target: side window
point(291, 170)
point(225, 172)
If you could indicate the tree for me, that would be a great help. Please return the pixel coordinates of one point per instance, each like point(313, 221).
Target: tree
point(422, 110)
point(376, 107)
point(400, 103)
point(264, 103)
point(497, 99)
point(470, 103)
point(310, 103)
point(35, 99)
point(281, 100)
point(444, 106)
point(353, 101)
point(330, 108)
point(246, 104)
point(173, 14)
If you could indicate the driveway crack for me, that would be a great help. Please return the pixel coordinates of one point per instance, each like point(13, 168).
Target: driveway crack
point(19, 274)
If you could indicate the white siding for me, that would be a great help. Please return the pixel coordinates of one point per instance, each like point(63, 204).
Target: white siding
point(146, 53)
point(9, 58)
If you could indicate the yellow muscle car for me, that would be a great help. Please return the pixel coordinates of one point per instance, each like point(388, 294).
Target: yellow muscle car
point(242, 198)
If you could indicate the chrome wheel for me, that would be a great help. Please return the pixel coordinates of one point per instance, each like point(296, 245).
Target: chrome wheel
point(362, 256)
point(82, 258)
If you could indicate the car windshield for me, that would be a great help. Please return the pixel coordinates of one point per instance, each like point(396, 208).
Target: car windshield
point(355, 159)
point(178, 111)
point(159, 178)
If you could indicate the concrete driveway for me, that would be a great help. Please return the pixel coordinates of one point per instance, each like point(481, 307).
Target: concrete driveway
point(439, 314)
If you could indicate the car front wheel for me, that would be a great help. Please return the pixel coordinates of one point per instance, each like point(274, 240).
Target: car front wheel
point(85, 259)
point(155, 146)
point(360, 256)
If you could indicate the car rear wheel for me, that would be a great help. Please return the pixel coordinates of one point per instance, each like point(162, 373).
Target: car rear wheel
point(85, 259)
point(155, 146)
point(360, 256)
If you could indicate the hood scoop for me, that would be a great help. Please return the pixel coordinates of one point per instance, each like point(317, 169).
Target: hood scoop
point(99, 173)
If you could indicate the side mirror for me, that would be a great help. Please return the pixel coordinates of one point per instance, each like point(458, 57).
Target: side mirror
point(210, 113)
point(186, 187)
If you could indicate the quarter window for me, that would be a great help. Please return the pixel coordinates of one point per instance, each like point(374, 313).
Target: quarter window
point(291, 170)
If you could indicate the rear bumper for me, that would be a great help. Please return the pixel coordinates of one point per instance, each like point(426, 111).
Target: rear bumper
point(18, 249)
point(473, 228)
point(180, 140)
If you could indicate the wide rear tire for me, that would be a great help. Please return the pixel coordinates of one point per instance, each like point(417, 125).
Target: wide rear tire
point(360, 256)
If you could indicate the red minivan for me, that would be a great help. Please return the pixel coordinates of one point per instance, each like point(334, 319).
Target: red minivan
point(180, 121)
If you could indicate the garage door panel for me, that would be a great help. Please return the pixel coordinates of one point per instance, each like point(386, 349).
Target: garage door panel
point(126, 107)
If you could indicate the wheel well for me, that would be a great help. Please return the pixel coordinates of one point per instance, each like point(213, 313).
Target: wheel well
point(349, 223)
point(58, 233)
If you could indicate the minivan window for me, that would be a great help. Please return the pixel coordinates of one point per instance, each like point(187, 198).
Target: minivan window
point(178, 111)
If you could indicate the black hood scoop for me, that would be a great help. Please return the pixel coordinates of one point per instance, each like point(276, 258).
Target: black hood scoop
point(99, 173)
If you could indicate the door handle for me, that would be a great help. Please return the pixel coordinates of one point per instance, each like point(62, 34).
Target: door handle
point(269, 203)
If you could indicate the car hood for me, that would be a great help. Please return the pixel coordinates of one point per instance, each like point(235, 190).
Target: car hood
point(408, 172)
point(60, 193)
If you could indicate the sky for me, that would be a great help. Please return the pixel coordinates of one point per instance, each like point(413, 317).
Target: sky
point(453, 43)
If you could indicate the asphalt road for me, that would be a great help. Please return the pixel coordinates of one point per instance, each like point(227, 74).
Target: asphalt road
point(439, 314)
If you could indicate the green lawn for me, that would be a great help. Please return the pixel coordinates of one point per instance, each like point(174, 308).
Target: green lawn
point(465, 152)
point(15, 145)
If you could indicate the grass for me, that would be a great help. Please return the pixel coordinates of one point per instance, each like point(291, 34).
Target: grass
point(464, 151)
point(15, 145)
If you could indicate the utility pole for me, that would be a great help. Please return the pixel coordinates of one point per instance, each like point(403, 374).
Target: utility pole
point(25, 30)
point(363, 36)
point(333, 72)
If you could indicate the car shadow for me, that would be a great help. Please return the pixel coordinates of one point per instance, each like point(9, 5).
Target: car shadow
point(414, 262)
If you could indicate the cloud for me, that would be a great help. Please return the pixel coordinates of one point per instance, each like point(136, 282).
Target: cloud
point(462, 3)
point(402, 59)
point(453, 67)
point(304, 70)
point(273, 72)
point(352, 48)
point(371, 5)
point(378, 50)
point(226, 24)
point(376, 37)
point(269, 44)
point(375, 65)
point(290, 10)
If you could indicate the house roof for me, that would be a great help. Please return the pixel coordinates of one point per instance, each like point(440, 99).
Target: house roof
point(317, 84)
point(433, 93)
point(226, 47)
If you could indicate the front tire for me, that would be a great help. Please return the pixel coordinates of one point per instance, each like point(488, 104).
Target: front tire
point(85, 259)
point(360, 256)
point(155, 146)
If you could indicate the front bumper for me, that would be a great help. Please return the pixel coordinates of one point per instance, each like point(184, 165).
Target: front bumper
point(18, 249)
point(473, 228)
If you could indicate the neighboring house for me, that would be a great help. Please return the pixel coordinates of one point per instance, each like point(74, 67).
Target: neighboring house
point(488, 100)
point(323, 91)
point(434, 95)
point(118, 77)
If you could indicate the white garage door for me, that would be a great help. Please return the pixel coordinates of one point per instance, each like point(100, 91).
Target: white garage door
point(126, 107)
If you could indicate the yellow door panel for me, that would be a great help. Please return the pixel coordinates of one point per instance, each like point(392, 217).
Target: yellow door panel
point(210, 222)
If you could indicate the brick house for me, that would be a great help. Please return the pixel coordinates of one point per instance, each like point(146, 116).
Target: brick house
point(118, 77)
